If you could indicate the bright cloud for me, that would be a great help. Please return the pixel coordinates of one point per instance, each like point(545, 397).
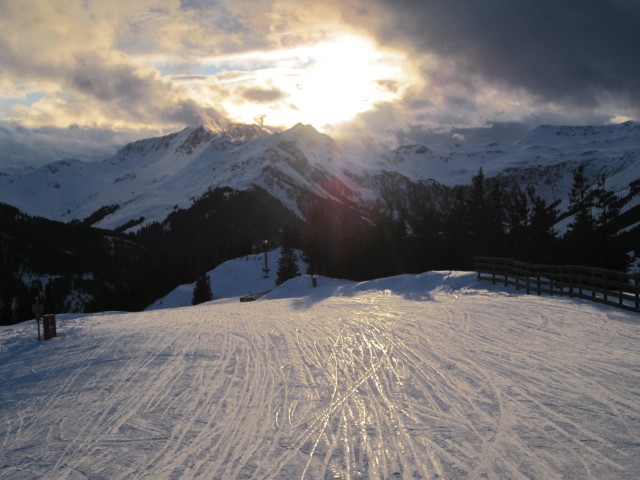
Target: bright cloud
point(349, 65)
point(325, 83)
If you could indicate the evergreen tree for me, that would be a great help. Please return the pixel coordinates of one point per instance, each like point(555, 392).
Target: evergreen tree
point(383, 247)
point(428, 249)
point(477, 215)
point(580, 204)
point(287, 265)
point(332, 238)
point(541, 235)
point(590, 240)
point(456, 236)
point(609, 206)
point(476, 207)
point(579, 240)
point(202, 291)
point(483, 230)
point(517, 220)
point(612, 250)
point(491, 237)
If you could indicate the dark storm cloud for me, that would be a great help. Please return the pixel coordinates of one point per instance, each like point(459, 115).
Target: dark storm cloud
point(138, 94)
point(575, 52)
point(262, 95)
point(502, 132)
point(20, 146)
point(122, 83)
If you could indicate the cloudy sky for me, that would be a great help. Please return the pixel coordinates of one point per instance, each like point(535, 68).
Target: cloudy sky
point(93, 73)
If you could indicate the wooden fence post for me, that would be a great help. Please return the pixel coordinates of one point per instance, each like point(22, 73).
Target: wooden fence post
point(506, 275)
point(577, 279)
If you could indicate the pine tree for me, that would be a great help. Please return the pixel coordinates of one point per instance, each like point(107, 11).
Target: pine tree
point(456, 231)
point(611, 250)
point(491, 238)
point(580, 204)
point(609, 205)
point(477, 206)
point(541, 242)
point(202, 291)
point(517, 216)
point(590, 240)
point(287, 265)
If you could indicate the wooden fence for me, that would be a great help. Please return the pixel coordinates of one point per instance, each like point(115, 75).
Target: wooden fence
point(596, 284)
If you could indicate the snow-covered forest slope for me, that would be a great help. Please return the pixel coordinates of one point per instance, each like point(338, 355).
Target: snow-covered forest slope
point(416, 376)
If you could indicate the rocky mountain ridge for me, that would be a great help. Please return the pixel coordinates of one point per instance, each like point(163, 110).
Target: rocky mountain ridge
point(148, 179)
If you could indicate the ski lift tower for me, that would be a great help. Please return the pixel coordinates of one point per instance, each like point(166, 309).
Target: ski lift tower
point(265, 270)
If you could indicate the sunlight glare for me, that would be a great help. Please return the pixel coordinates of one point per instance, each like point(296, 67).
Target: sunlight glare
point(322, 84)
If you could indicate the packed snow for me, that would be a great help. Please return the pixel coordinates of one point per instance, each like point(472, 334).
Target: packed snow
point(417, 376)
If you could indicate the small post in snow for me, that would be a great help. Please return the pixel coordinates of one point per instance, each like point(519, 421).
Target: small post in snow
point(37, 310)
point(265, 270)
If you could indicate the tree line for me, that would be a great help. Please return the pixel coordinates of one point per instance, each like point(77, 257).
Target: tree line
point(115, 271)
point(479, 219)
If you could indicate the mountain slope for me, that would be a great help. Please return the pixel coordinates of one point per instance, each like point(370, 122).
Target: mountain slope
point(233, 278)
point(148, 179)
point(75, 267)
point(151, 178)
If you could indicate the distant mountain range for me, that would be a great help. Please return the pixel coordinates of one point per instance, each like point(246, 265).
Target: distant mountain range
point(123, 232)
point(148, 179)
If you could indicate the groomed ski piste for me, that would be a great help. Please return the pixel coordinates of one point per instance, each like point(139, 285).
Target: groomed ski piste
point(417, 376)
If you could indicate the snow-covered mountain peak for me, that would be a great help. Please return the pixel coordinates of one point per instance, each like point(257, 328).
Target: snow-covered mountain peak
point(192, 137)
point(144, 147)
point(304, 130)
point(230, 131)
point(149, 178)
point(318, 147)
point(581, 135)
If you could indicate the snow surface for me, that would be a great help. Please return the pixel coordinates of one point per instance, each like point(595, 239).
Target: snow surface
point(234, 278)
point(416, 376)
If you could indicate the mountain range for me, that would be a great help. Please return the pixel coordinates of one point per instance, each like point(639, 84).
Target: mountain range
point(148, 179)
point(125, 231)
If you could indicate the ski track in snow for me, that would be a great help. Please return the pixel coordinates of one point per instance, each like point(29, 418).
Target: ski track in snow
point(476, 384)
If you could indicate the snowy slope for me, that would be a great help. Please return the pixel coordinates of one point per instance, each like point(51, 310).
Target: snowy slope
point(418, 376)
point(150, 178)
point(233, 278)
point(545, 159)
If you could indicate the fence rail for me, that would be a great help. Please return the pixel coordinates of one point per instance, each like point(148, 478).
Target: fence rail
point(596, 284)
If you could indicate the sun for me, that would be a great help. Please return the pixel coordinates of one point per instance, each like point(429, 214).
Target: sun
point(343, 78)
point(322, 84)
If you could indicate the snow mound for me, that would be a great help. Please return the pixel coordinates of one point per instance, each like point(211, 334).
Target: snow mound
point(231, 279)
point(417, 287)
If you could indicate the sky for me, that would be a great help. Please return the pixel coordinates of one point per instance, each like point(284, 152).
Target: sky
point(86, 75)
